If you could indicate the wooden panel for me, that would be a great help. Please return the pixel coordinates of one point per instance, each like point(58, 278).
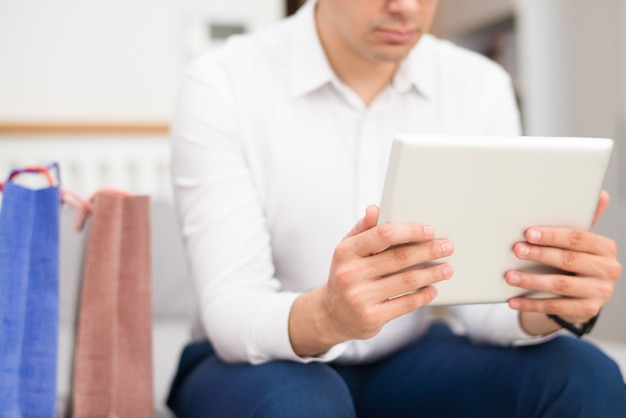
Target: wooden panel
point(83, 128)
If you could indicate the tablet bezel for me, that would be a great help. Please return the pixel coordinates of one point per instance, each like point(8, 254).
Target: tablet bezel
point(504, 185)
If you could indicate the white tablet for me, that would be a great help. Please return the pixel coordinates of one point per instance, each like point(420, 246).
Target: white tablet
point(483, 192)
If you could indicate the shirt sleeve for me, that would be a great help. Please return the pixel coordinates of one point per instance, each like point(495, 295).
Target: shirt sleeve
point(244, 313)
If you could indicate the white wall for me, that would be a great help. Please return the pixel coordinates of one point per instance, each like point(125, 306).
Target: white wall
point(572, 56)
point(106, 60)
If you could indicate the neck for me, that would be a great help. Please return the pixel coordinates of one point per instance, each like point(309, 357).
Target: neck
point(366, 77)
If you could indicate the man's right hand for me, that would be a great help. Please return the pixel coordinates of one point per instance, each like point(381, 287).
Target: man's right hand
point(369, 284)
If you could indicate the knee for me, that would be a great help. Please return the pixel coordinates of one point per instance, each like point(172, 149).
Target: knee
point(317, 392)
point(276, 389)
point(578, 362)
point(572, 375)
point(594, 377)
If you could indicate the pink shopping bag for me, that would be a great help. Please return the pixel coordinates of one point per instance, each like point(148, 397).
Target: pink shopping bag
point(113, 359)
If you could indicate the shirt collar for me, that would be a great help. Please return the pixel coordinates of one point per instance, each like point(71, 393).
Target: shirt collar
point(418, 69)
point(311, 69)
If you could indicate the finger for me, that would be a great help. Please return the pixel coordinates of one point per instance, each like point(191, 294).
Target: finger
point(562, 285)
point(603, 202)
point(575, 310)
point(399, 258)
point(382, 237)
point(401, 305)
point(368, 221)
point(572, 239)
point(410, 280)
point(579, 263)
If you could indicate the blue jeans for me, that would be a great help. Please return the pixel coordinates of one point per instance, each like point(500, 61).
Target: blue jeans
point(441, 375)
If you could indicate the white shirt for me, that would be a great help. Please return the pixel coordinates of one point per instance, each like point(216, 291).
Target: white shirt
point(274, 161)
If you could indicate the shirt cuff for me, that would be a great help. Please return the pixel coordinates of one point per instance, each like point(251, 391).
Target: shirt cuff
point(269, 336)
point(495, 324)
point(518, 337)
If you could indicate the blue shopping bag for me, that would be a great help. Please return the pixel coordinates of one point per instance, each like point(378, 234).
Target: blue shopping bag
point(29, 299)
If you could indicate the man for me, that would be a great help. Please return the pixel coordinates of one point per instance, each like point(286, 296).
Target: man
point(280, 143)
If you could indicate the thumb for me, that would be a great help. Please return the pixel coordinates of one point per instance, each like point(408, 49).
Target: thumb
point(603, 202)
point(366, 222)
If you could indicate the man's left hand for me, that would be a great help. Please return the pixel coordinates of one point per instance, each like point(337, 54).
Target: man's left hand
point(591, 261)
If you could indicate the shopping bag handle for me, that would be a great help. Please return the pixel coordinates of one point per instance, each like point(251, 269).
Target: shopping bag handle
point(67, 196)
point(74, 200)
point(34, 169)
point(85, 207)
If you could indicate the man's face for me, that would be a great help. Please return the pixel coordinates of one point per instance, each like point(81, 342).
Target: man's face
point(378, 30)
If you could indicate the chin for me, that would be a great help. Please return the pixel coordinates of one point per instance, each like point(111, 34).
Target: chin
point(392, 53)
point(394, 56)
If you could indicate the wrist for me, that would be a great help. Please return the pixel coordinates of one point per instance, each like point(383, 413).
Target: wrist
point(537, 324)
point(311, 327)
point(576, 329)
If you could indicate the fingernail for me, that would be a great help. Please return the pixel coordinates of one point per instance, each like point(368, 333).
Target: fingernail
point(448, 271)
point(534, 235)
point(513, 304)
point(514, 278)
point(524, 250)
point(429, 231)
point(446, 247)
